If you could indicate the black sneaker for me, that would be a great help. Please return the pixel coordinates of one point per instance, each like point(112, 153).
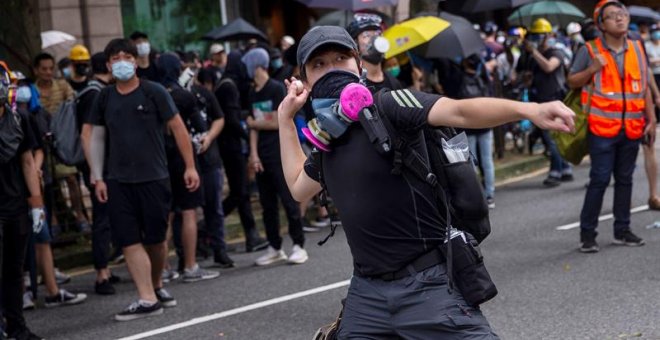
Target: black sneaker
point(627, 238)
point(63, 298)
point(256, 245)
point(567, 178)
point(491, 202)
point(165, 298)
point(308, 228)
point(551, 182)
point(588, 243)
point(137, 310)
point(222, 260)
point(24, 334)
point(104, 288)
point(114, 279)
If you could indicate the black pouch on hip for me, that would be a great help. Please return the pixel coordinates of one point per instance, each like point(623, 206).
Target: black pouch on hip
point(469, 271)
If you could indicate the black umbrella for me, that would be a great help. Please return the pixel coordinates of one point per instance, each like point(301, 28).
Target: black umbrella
point(238, 29)
point(474, 6)
point(344, 17)
point(353, 5)
point(460, 40)
point(643, 14)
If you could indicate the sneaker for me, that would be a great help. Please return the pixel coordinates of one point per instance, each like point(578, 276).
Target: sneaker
point(24, 334)
point(165, 298)
point(61, 278)
point(308, 228)
point(198, 274)
point(114, 279)
point(104, 287)
point(138, 310)
point(28, 301)
point(321, 222)
point(298, 255)
point(222, 260)
point(491, 202)
point(169, 275)
point(566, 178)
point(272, 255)
point(256, 245)
point(627, 238)
point(64, 298)
point(551, 182)
point(588, 242)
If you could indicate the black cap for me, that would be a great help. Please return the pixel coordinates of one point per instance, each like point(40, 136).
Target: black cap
point(323, 35)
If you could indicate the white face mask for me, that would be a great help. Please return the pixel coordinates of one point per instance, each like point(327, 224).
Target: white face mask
point(143, 49)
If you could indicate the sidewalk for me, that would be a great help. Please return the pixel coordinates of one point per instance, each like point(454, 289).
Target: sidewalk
point(74, 250)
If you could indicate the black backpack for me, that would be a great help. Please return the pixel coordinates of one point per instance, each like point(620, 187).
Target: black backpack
point(472, 86)
point(64, 127)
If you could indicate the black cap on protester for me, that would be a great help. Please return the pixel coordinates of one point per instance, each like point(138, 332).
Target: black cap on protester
point(323, 35)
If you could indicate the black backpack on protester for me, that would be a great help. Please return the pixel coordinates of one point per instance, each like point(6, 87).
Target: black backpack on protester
point(64, 128)
point(456, 189)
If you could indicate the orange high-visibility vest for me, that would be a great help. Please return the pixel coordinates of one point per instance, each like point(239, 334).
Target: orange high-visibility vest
point(617, 103)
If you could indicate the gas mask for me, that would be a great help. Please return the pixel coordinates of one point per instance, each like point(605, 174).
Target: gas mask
point(82, 69)
point(338, 98)
point(375, 50)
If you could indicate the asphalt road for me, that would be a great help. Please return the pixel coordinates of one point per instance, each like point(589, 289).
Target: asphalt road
point(547, 289)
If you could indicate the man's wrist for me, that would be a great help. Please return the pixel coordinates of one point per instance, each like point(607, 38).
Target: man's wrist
point(35, 202)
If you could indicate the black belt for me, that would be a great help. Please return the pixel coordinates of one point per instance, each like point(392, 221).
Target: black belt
point(423, 262)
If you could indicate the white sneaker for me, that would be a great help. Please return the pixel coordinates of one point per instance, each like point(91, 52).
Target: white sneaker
point(298, 255)
point(272, 255)
point(28, 303)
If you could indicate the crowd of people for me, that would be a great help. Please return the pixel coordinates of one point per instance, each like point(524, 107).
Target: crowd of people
point(162, 132)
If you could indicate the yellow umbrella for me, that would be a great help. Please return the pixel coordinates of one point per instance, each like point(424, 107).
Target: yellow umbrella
point(412, 33)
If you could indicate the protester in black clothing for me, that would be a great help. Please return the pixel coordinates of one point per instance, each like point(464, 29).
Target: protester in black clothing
point(135, 113)
point(279, 69)
point(389, 221)
point(365, 29)
point(231, 143)
point(184, 200)
point(101, 236)
point(20, 197)
point(80, 59)
point(147, 68)
point(265, 159)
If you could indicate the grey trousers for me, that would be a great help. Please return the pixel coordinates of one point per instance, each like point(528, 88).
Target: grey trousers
point(415, 307)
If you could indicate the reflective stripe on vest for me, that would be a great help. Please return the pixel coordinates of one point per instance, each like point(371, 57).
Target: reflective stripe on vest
point(616, 104)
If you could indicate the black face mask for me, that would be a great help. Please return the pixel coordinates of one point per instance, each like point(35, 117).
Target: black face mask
point(331, 84)
point(372, 55)
point(81, 69)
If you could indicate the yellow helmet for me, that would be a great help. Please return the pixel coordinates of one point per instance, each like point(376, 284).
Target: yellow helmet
point(540, 26)
point(79, 53)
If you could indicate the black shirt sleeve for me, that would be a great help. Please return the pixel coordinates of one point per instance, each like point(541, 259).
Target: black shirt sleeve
point(312, 168)
point(29, 142)
point(229, 98)
point(279, 92)
point(162, 99)
point(407, 109)
point(86, 106)
point(97, 113)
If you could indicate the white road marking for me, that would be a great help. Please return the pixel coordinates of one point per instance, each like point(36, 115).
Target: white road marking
point(603, 218)
point(238, 310)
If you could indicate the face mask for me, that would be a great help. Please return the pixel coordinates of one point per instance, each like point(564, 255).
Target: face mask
point(66, 73)
point(277, 63)
point(338, 98)
point(143, 49)
point(394, 71)
point(23, 94)
point(81, 69)
point(550, 42)
point(655, 35)
point(123, 70)
point(375, 51)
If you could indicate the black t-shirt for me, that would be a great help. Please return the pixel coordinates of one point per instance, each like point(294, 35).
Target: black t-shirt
point(78, 86)
point(149, 73)
point(545, 86)
point(13, 189)
point(389, 82)
point(210, 111)
point(186, 103)
point(229, 99)
point(389, 221)
point(85, 105)
point(264, 102)
point(135, 124)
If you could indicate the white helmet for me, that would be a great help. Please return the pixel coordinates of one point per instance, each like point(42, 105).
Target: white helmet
point(573, 28)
